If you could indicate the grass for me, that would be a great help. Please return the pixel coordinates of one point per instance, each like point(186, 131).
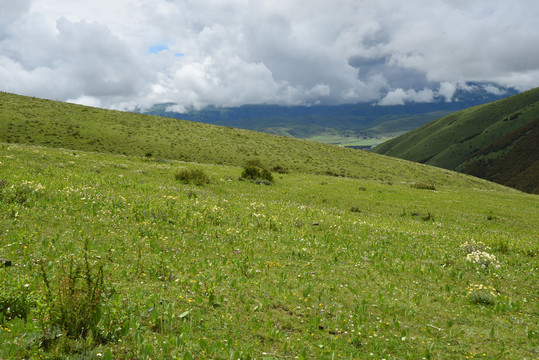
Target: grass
point(312, 266)
point(60, 125)
point(351, 141)
point(496, 141)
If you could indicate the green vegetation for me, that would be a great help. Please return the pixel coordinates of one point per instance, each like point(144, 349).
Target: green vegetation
point(365, 141)
point(312, 266)
point(496, 141)
point(192, 176)
point(255, 171)
point(55, 124)
point(115, 256)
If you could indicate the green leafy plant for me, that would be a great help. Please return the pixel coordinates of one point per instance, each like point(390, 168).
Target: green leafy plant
point(254, 170)
point(15, 296)
point(192, 176)
point(482, 294)
point(74, 303)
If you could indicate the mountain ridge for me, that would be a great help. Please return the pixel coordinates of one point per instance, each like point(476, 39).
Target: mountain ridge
point(361, 120)
point(460, 141)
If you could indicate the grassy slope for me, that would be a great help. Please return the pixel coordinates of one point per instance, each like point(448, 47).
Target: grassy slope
point(313, 266)
point(56, 124)
point(238, 270)
point(451, 142)
point(512, 159)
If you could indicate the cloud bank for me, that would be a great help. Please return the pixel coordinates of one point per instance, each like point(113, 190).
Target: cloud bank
point(134, 53)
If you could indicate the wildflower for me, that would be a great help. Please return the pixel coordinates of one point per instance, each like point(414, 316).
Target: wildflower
point(483, 259)
point(474, 246)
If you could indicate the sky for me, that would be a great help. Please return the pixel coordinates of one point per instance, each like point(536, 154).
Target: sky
point(127, 54)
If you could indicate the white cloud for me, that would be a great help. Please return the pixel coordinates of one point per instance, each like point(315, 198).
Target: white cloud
point(124, 53)
point(401, 96)
point(447, 90)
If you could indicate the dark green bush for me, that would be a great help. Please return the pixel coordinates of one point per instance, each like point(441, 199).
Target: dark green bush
point(279, 169)
point(193, 176)
point(254, 171)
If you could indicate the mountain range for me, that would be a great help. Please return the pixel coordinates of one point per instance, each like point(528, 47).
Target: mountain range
point(353, 125)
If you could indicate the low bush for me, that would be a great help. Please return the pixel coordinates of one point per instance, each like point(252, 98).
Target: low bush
point(482, 294)
point(279, 169)
point(192, 176)
point(255, 171)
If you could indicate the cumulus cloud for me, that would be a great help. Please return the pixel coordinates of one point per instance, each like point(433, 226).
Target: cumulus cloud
point(126, 54)
point(401, 96)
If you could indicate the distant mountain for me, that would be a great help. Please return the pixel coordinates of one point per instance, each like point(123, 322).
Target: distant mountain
point(362, 120)
point(498, 141)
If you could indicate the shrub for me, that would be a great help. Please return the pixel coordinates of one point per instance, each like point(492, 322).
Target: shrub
point(254, 171)
point(74, 304)
point(193, 176)
point(279, 169)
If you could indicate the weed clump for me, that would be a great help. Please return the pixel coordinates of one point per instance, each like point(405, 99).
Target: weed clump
point(474, 246)
point(483, 259)
point(482, 294)
point(193, 176)
point(20, 193)
point(279, 169)
point(15, 297)
point(255, 171)
point(423, 186)
point(74, 304)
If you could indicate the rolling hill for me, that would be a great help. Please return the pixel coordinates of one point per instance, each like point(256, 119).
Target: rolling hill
point(108, 252)
point(496, 141)
point(61, 125)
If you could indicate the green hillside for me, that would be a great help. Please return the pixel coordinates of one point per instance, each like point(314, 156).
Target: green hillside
point(496, 141)
point(61, 125)
point(107, 252)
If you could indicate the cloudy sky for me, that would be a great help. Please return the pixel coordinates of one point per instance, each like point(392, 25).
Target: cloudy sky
point(127, 53)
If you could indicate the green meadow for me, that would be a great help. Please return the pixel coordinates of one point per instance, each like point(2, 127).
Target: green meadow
point(119, 257)
point(349, 141)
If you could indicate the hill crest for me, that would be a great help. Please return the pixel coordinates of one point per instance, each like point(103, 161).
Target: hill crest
point(480, 141)
point(55, 124)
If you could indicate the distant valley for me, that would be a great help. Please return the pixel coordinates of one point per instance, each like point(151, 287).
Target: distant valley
point(361, 125)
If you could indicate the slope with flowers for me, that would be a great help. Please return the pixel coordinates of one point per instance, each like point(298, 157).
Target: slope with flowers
point(117, 256)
